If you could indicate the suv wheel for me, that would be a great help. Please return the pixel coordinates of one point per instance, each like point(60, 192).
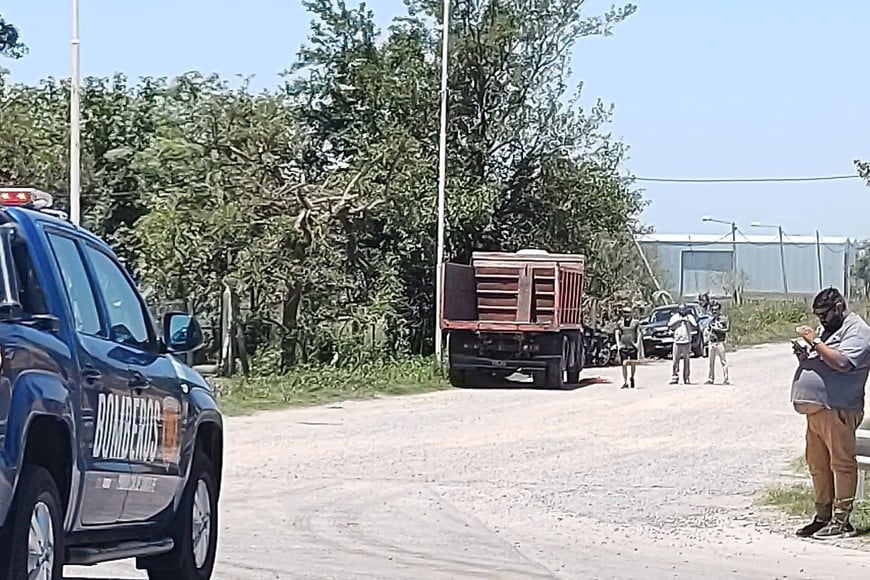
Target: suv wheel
point(194, 530)
point(35, 548)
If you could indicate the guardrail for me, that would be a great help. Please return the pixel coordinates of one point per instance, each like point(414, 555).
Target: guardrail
point(863, 466)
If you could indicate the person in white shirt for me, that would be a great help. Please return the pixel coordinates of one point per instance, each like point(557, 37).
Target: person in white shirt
point(683, 323)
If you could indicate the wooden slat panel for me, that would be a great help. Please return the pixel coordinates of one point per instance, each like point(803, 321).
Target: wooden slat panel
point(524, 297)
point(500, 316)
point(498, 301)
point(493, 272)
point(512, 286)
point(459, 296)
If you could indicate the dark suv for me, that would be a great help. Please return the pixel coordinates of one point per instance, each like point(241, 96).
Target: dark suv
point(658, 339)
point(111, 447)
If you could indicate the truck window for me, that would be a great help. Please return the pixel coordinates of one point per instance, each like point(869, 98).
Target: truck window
point(78, 286)
point(31, 295)
point(127, 319)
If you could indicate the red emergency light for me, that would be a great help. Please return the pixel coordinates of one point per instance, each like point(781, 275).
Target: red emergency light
point(20, 197)
point(24, 197)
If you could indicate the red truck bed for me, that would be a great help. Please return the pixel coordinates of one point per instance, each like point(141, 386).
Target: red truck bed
point(514, 292)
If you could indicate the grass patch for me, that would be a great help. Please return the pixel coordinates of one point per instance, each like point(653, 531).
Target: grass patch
point(314, 385)
point(764, 321)
point(760, 321)
point(799, 464)
point(797, 500)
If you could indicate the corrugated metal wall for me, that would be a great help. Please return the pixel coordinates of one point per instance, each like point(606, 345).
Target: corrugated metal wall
point(692, 267)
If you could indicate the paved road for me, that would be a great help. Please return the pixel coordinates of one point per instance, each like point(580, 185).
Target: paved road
point(592, 483)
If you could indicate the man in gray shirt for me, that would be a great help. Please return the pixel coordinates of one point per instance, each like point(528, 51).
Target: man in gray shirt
point(828, 388)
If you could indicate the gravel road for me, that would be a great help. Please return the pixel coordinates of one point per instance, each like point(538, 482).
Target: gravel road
point(592, 483)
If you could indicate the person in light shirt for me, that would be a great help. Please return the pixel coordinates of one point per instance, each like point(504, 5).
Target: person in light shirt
point(682, 323)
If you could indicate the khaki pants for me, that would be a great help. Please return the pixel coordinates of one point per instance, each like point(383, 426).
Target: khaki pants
point(717, 351)
point(682, 352)
point(831, 459)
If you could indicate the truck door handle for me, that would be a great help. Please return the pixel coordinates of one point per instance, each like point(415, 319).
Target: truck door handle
point(139, 381)
point(91, 376)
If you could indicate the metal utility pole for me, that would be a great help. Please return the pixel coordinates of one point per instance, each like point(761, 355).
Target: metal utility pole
point(643, 257)
point(442, 181)
point(734, 267)
point(781, 252)
point(75, 123)
point(819, 258)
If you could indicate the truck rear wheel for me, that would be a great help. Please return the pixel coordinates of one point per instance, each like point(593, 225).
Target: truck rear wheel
point(194, 530)
point(578, 354)
point(35, 534)
point(557, 368)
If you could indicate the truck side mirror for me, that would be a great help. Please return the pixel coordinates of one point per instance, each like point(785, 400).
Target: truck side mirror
point(181, 333)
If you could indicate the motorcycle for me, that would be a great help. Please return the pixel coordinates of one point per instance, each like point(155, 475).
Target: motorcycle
point(600, 348)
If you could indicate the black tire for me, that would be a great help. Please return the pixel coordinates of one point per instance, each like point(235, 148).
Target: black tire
point(578, 357)
point(457, 378)
point(555, 375)
point(180, 563)
point(35, 487)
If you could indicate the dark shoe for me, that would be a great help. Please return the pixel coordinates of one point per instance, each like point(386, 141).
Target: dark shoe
point(727, 382)
point(632, 383)
point(709, 382)
point(673, 382)
point(811, 528)
point(836, 530)
point(624, 386)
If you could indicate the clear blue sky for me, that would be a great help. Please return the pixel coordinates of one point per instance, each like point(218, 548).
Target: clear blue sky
point(737, 88)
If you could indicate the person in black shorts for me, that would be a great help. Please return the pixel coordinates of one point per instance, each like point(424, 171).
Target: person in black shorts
point(627, 338)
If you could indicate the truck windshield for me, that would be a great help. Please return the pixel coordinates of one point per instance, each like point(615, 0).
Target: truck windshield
point(663, 315)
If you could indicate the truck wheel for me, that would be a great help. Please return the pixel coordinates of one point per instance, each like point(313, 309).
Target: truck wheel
point(457, 378)
point(36, 546)
point(194, 531)
point(556, 369)
point(577, 358)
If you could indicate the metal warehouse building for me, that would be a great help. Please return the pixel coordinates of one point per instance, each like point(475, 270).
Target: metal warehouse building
point(692, 264)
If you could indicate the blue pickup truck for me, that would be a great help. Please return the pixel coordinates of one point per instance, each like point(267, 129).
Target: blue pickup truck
point(111, 447)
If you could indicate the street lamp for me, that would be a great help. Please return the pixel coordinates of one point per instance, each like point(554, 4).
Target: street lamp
point(442, 181)
point(75, 123)
point(781, 252)
point(734, 270)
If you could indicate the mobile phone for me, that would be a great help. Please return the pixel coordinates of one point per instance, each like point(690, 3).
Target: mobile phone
point(799, 343)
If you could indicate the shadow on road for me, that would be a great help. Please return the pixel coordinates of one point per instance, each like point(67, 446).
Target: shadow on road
point(512, 386)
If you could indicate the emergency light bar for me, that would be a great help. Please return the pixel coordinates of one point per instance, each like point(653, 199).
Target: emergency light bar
point(25, 197)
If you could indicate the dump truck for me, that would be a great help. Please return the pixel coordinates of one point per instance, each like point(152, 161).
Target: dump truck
point(514, 312)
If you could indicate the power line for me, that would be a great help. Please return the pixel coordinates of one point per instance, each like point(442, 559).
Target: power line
point(745, 179)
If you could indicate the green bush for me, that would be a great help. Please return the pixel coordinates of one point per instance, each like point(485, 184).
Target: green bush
point(313, 384)
point(763, 321)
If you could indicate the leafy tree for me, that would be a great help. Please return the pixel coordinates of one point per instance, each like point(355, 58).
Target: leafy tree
point(10, 45)
point(315, 203)
point(526, 168)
